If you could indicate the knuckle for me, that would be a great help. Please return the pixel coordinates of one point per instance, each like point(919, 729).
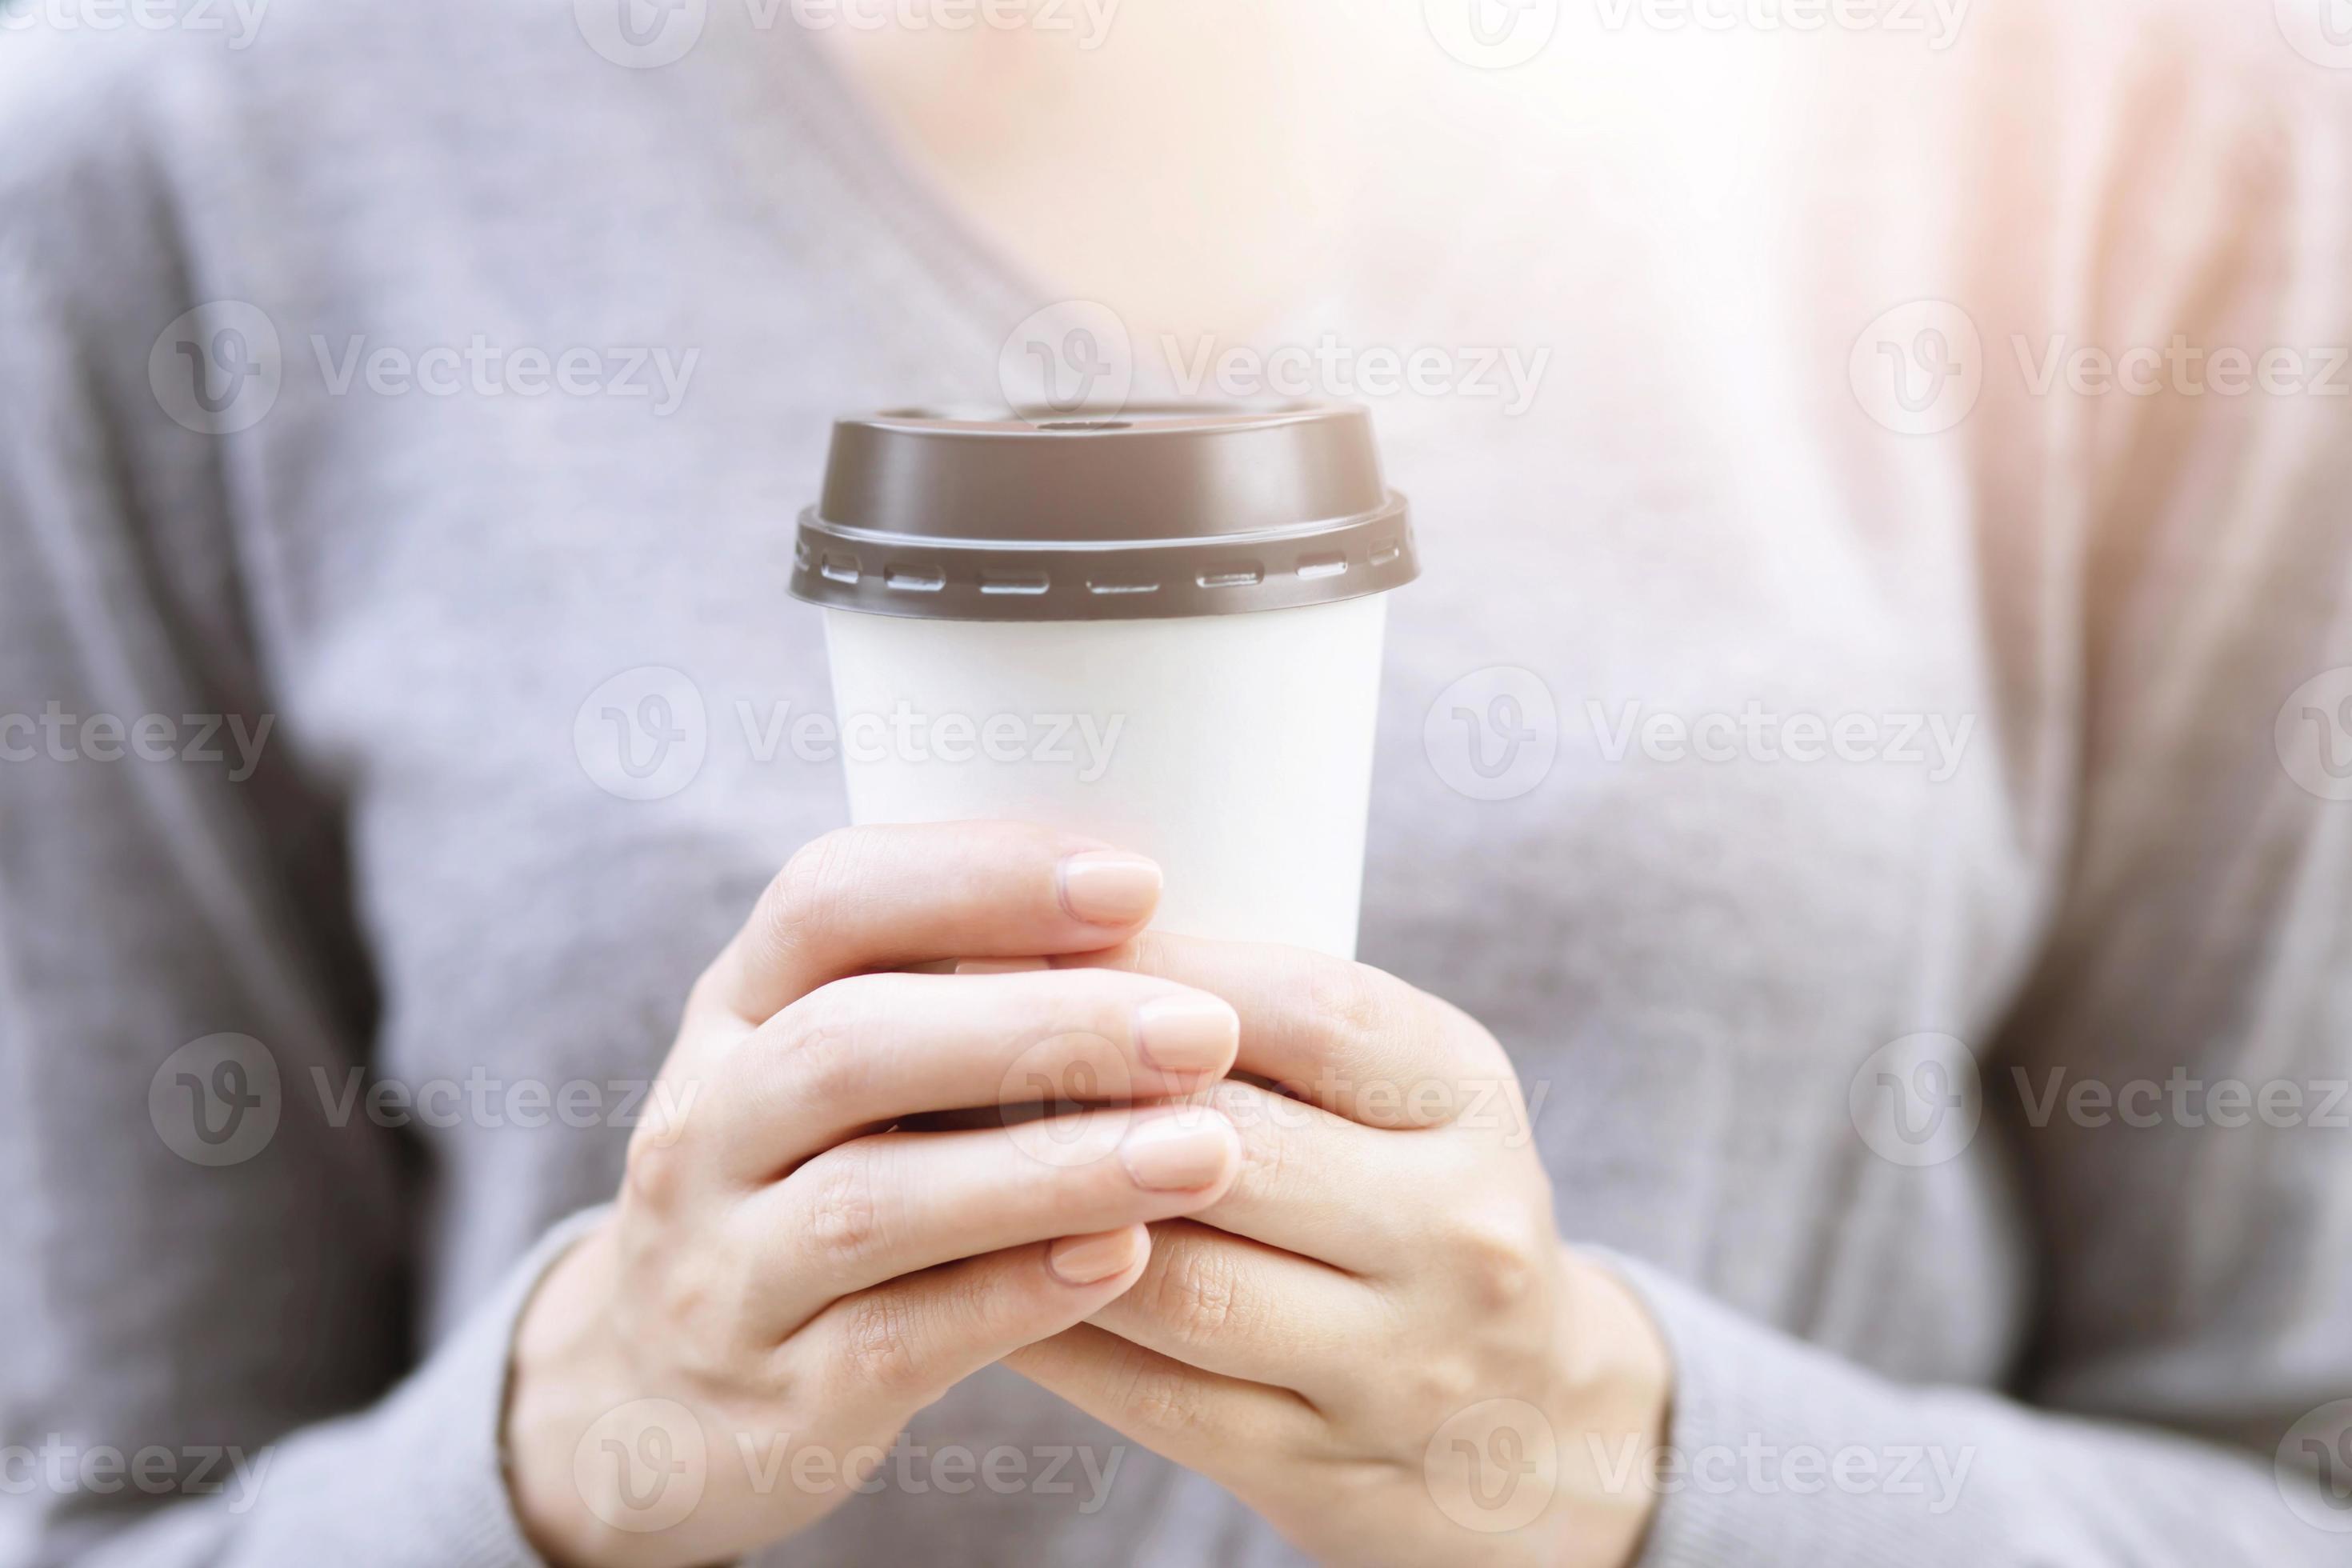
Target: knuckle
point(971, 1308)
point(1428, 1388)
point(808, 894)
point(702, 997)
point(1164, 1400)
point(821, 1051)
point(1266, 1149)
point(1198, 1294)
point(1342, 994)
point(1498, 1261)
point(700, 1316)
point(654, 1168)
point(880, 1344)
point(1350, 1009)
point(844, 1221)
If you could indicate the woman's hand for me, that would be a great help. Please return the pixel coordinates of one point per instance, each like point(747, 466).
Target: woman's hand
point(1375, 1338)
point(783, 1262)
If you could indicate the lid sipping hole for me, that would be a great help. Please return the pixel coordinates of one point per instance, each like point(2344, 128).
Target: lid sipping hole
point(1122, 585)
point(1321, 565)
point(1386, 552)
point(1086, 425)
point(1238, 575)
point(1013, 582)
point(840, 569)
point(914, 579)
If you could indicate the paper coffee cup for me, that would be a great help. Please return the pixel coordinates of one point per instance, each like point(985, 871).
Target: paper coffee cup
point(1161, 629)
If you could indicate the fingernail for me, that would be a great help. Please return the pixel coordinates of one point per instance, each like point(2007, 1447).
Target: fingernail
point(1108, 887)
point(1085, 1259)
point(1188, 1034)
point(1174, 1153)
point(1000, 965)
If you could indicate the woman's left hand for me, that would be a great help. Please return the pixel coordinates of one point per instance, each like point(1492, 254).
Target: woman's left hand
point(1377, 1340)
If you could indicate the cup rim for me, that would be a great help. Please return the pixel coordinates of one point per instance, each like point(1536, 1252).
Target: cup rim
point(1148, 512)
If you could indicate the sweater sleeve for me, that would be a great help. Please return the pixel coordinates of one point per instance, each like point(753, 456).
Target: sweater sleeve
point(415, 1479)
point(209, 1355)
point(2168, 565)
point(1781, 1454)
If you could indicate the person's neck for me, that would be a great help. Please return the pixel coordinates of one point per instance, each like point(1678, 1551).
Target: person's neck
point(1191, 170)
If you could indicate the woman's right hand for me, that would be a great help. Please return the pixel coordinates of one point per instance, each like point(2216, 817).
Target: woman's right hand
point(786, 1277)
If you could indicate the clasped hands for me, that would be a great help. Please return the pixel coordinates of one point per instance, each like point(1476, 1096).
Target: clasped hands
point(1275, 1216)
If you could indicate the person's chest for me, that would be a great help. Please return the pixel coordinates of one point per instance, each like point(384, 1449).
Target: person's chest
point(1688, 781)
point(1693, 841)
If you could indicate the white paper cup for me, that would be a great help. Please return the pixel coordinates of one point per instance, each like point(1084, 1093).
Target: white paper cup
point(992, 656)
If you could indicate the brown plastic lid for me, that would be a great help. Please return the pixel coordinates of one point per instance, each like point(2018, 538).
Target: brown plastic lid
point(1153, 513)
